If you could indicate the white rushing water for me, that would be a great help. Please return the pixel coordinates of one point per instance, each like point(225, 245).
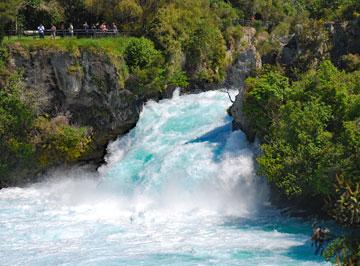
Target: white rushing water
point(179, 189)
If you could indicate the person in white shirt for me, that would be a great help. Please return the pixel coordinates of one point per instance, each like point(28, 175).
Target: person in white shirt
point(41, 30)
point(71, 30)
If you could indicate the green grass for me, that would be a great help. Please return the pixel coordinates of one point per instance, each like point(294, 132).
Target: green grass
point(113, 46)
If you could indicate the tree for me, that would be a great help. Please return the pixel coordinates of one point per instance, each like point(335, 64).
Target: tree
point(263, 97)
point(205, 54)
point(34, 12)
point(8, 13)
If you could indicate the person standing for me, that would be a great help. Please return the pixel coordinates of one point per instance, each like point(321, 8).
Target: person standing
point(86, 28)
point(71, 30)
point(62, 30)
point(114, 28)
point(41, 30)
point(93, 30)
point(103, 28)
point(53, 31)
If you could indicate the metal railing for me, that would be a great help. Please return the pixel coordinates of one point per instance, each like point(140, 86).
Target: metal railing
point(97, 33)
point(79, 33)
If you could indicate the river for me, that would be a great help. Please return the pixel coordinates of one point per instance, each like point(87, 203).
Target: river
point(179, 189)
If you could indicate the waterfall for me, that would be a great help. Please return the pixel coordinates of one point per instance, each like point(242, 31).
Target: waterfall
point(179, 189)
point(184, 155)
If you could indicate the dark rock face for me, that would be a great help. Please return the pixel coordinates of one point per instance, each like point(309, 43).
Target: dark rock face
point(304, 49)
point(247, 61)
point(85, 88)
point(308, 47)
point(240, 121)
point(345, 39)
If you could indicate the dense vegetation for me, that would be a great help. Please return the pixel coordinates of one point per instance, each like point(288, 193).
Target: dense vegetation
point(310, 131)
point(306, 114)
point(192, 35)
point(29, 141)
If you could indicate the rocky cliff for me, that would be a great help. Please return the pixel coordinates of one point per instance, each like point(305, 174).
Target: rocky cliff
point(305, 49)
point(85, 87)
point(247, 61)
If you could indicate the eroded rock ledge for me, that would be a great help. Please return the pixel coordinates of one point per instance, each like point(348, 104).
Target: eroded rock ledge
point(86, 88)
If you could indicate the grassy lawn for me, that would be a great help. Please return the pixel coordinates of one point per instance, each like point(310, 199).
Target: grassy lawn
point(111, 45)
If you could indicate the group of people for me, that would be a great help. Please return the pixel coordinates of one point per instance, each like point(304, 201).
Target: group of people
point(53, 30)
point(103, 27)
point(87, 31)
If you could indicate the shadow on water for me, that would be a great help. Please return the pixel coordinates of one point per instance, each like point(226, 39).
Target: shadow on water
point(217, 136)
point(271, 221)
point(303, 252)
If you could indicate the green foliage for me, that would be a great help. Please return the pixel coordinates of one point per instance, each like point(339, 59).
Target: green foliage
point(15, 122)
point(8, 11)
point(299, 156)
point(269, 10)
point(233, 35)
point(311, 143)
point(346, 209)
point(28, 142)
point(4, 72)
point(173, 25)
point(74, 11)
point(328, 9)
point(263, 97)
point(344, 251)
point(205, 54)
point(189, 32)
point(129, 14)
point(147, 80)
point(179, 79)
point(314, 41)
point(32, 13)
point(140, 53)
point(226, 14)
point(56, 140)
point(146, 64)
point(309, 129)
point(112, 47)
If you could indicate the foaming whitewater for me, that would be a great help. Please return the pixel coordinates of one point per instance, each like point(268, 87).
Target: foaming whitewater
point(183, 156)
point(179, 189)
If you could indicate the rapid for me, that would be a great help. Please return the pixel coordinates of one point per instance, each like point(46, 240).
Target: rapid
point(179, 189)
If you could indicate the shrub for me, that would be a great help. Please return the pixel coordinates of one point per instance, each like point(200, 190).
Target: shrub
point(16, 119)
point(344, 251)
point(263, 97)
point(147, 81)
point(147, 67)
point(140, 53)
point(233, 36)
point(57, 141)
point(310, 129)
point(179, 79)
point(30, 142)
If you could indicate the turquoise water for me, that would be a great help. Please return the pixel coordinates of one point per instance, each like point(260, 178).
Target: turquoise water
point(179, 189)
